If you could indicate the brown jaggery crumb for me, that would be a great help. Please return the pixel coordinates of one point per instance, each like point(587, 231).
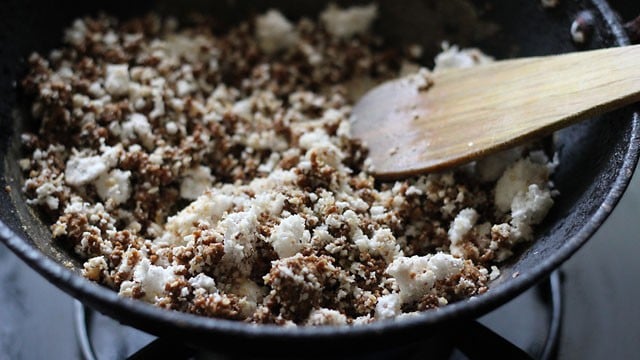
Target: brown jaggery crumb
point(301, 283)
point(216, 174)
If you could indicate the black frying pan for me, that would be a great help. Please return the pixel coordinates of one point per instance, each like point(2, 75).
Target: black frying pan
point(597, 159)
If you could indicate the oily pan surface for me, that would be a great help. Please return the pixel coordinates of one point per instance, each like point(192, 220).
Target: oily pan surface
point(591, 153)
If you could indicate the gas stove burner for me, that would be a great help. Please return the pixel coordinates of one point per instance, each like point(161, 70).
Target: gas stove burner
point(471, 340)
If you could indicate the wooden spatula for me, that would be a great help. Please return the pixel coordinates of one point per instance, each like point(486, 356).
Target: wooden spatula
point(469, 113)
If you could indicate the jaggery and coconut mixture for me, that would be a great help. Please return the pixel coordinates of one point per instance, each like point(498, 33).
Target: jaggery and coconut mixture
point(213, 172)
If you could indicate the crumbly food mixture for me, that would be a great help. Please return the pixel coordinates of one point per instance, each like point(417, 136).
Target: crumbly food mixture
point(215, 174)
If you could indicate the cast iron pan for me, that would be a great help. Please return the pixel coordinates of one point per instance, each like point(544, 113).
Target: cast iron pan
point(597, 160)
